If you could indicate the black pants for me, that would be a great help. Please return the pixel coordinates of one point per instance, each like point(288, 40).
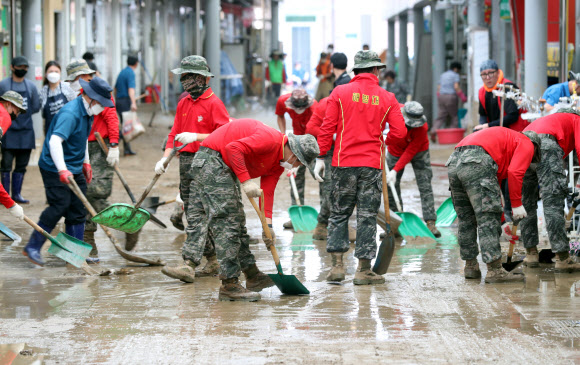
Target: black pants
point(123, 105)
point(8, 156)
point(62, 202)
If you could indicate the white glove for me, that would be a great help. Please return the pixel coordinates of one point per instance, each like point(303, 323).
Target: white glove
point(113, 156)
point(293, 172)
point(178, 199)
point(519, 213)
point(251, 189)
point(506, 231)
point(17, 211)
point(392, 176)
point(159, 169)
point(319, 170)
point(186, 137)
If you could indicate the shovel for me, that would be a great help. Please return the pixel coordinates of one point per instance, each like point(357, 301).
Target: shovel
point(446, 214)
point(509, 265)
point(105, 149)
point(287, 284)
point(127, 256)
point(387, 247)
point(304, 218)
point(125, 217)
point(67, 248)
point(153, 207)
point(546, 255)
point(9, 233)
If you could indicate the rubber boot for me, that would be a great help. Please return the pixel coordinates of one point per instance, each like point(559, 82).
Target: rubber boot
point(17, 179)
point(131, 240)
point(6, 181)
point(433, 229)
point(288, 225)
point(564, 263)
point(231, 290)
point(89, 238)
point(127, 149)
point(185, 272)
point(177, 217)
point(337, 272)
point(471, 270)
point(532, 257)
point(34, 245)
point(351, 234)
point(211, 267)
point(365, 276)
point(257, 280)
point(497, 274)
point(320, 232)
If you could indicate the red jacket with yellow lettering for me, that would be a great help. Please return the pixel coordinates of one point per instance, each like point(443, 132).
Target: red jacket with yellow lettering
point(358, 112)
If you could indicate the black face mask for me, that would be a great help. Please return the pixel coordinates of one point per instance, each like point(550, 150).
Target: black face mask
point(20, 73)
point(13, 116)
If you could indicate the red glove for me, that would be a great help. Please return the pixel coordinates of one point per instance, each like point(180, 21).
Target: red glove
point(462, 96)
point(88, 172)
point(63, 176)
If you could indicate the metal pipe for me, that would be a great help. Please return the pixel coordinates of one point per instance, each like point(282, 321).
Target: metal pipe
point(391, 45)
point(13, 27)
point(275, 25)
point(455, 34)
point(438, 51)
point(563, 40)
point(212, 44)
point(403, 49)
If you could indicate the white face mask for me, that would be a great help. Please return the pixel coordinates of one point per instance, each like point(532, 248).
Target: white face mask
point(287, 165)
point(53, 77)
point(97, 109)
point(76, 86)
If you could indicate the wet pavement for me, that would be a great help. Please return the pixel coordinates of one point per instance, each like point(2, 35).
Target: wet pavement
point(425, 312)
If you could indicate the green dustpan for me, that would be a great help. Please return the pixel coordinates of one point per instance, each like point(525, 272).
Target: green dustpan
point(123, 217)
point(304, 218)
point(446, 214)
point(413, 226)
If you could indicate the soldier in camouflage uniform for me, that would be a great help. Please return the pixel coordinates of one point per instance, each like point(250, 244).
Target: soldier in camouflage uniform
point(239, 151)
point(558, 133)
point(475, 169)
point(415, 149)
point(357, 113)
point(197, 115)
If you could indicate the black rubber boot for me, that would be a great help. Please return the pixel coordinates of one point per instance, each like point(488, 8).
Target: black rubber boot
point(6, 181)
point(17, 180)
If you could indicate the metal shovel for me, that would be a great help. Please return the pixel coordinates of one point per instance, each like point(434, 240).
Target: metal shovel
point(287, 284)
point(509, 265)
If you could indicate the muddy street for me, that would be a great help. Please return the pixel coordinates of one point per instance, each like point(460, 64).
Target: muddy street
point(425, 312)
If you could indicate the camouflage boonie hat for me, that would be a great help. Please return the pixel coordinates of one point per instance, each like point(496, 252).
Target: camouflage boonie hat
point(366, 59)
point(413, 114)
point(15, 98)
point(77, 67)
point(299, 101)
point(533, 136)
point(568, 110)
point(193, 65)
point(305, 148)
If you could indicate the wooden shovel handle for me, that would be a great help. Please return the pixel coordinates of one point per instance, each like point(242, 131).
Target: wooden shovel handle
point(105, 149)
point(512, 245)
point(78, 192)
point(266, 228)
point(37, 227)
point(386, 190)
point(571, 212)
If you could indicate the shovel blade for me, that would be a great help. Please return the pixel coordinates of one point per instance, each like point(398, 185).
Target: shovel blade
point(304, 218)
point(73, 245)
point(446, 214)
point(122, 217)
point(413, 226)
point(289, 284)
point(509, 266)
point(64, 254)
point(385, 253)
point(9, 233)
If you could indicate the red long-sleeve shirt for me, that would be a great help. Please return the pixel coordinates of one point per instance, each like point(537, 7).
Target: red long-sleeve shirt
point(202, 115)
point(299, 121)
point(358, 112)
point(564, 126)
point(107, 124)
point(251, 149)
point(512, 152)
point(313, 125)
point(416, 141)
point(5, 123)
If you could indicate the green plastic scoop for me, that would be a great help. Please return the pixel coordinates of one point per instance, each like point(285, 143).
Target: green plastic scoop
point(304, 218)
point(446, 214)
point(413, 226)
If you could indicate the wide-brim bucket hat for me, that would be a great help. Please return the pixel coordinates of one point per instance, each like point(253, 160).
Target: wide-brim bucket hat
point(15, 98)
point(99, 90)
point(305, 148)
point(193, 65)
point(367, 59)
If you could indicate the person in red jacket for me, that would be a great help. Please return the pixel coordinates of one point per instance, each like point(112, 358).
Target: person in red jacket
point(415, 149)
point(357, 113)
point(11, 106)
point(300, 106)
point(476, 167)
point(242, 150)
point(560, 135)
point(197, 115)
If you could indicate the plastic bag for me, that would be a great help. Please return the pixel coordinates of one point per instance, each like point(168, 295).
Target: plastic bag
point(132, 127)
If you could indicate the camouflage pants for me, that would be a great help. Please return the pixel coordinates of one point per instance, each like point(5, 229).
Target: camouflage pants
point(421, 163)
point(350, 187)
point(551, 176)
point(324, 189)
point(185, 177)
point(300, 182)
point(477, 200)
point(101, 186)
point(215, 207)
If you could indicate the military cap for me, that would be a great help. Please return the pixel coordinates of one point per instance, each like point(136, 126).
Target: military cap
point(77, 67)
point(193, 65)
point(15, 98)
point(367, 59)
point(305, 148)
point(413, 114)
